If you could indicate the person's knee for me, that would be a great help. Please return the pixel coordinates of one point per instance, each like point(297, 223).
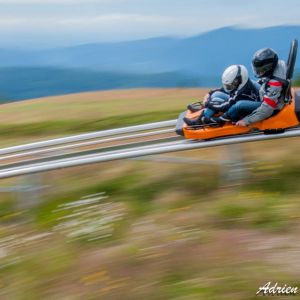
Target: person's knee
point(218, 100)
point(220, 95)
point(233, 112)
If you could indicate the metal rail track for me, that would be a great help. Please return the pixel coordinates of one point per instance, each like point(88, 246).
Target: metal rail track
point(88, 136)
point(110, 154)
point(90, 143)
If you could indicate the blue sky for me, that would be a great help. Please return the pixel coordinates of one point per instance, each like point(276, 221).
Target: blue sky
point(43, 23)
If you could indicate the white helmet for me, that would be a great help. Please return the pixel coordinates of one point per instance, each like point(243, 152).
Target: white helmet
point(234, 77)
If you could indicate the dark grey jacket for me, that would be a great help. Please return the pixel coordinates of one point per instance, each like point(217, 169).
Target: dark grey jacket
point(271, 95)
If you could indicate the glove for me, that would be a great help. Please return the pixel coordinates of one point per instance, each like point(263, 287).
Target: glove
point(219, 106)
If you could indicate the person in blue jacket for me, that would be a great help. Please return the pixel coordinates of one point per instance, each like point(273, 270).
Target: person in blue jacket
point(236, 86)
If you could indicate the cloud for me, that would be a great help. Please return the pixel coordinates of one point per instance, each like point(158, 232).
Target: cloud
point(116, 24)
point(57, 22)
point(63, 30)
point(116, 19)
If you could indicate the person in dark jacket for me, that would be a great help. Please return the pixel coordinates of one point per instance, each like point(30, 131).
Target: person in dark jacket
point(236, 86)
point(272, 74)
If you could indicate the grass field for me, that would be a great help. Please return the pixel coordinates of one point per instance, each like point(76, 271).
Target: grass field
point(55, 116)
point(129, 230)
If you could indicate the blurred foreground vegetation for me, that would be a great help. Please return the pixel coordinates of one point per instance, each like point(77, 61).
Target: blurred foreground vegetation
point(152, 230)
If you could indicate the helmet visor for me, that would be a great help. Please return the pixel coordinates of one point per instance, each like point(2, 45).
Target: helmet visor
point(260, 71)
point(232, 86)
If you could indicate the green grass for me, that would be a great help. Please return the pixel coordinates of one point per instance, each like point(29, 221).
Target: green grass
point(64, 127)
point(134, 188)
point(251, 210)
point(185, 235)
point(50, 117)
point(35, 269)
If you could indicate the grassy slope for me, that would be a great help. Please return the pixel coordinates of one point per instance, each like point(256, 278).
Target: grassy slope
point(92, 111)
point(184, 233)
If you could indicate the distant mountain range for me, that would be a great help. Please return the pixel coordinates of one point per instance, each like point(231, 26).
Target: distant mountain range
point(18, 83)
point(156, 62)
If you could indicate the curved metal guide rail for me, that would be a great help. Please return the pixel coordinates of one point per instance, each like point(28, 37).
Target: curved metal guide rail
point(136, 151)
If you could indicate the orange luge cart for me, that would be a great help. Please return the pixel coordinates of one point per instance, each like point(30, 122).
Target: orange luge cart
point(288, 117)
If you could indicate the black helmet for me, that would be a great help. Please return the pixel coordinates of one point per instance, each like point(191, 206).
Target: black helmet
point(264, 62)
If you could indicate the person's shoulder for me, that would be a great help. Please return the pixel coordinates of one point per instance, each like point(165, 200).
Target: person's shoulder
point(280, 70)
point(254, 84)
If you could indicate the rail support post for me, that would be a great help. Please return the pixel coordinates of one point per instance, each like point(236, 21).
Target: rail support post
point(28, 192)
point(234, 167)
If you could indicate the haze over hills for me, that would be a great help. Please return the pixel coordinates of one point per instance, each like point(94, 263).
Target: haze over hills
point(194, 61)
point(19, 83)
